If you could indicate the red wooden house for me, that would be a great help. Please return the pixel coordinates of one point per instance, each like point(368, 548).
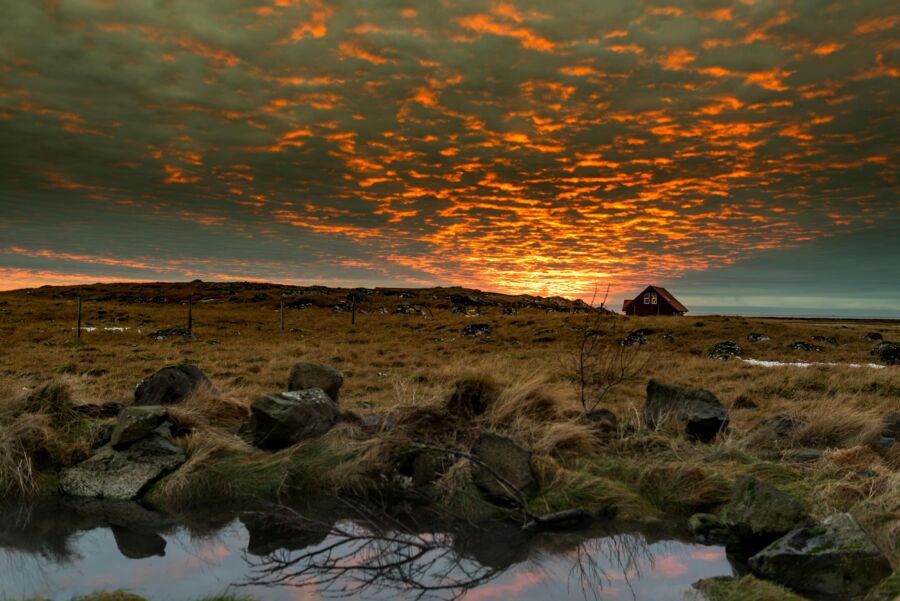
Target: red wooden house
point(654, 300)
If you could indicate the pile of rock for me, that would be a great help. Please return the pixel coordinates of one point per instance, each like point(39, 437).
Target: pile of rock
point(834, 558)
point(887, 352)
point(728, 349)
point(139, 453)
point(308, 409)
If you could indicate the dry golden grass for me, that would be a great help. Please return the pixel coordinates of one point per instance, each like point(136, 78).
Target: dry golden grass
point(408, 366)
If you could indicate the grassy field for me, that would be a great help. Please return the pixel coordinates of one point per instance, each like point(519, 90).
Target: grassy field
point(408, 364)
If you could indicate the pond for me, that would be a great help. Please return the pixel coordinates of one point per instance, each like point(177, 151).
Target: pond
point(63, 550)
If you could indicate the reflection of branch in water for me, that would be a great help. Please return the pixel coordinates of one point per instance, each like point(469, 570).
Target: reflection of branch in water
point(625, 552)
point(369, 555)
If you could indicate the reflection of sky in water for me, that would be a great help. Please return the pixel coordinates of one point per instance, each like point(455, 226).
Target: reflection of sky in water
point(195, 567)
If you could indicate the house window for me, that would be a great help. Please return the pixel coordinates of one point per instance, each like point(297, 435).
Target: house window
point(653, 298)
point(647, 299)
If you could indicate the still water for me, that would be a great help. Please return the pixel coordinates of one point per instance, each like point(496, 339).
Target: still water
point(62, 551)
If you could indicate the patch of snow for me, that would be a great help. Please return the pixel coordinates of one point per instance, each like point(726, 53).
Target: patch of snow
point(762, 363)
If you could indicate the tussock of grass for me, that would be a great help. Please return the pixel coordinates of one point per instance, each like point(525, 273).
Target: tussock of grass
point(836, 425)
point(222, 468)
point(459, 496)
point(562, 488)
point(879, 515)
point(683, 489)
point(205, 408)
point(38, 431)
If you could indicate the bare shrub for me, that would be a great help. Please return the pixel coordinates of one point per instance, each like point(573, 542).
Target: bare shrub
point(597, 362)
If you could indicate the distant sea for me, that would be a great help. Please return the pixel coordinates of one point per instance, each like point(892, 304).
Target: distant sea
point(698, 310)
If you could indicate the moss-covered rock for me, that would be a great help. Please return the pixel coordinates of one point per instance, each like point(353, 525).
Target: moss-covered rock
point(835, 559)
point(759, 513)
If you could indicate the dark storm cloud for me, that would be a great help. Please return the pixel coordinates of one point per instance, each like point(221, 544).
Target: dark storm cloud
point(513, 145)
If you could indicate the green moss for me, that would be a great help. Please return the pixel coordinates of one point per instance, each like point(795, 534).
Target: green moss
point(747, 588)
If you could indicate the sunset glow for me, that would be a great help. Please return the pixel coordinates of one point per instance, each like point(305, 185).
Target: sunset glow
point(512, 146)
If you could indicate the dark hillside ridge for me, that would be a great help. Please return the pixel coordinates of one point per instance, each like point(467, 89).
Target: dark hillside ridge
point(299, 296)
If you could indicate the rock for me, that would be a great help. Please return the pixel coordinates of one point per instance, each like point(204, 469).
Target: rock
point(726, 350)
point(373, 423)
point(873, 337)
point(316, 375)
point(99, 411)
point(887, 352)
point(636, 337)
point(827, 339)
point(135, 423)
point(708, 528)
point(477, 329)
point(835, 559)
point(890, 425)
point(759, 513)
point(807, 347)
point(757, 337)
point(781, 425)
point(888, 590)
point(112, 474)
point(138, 545)
point(472, 396)
point(668, 338)
point(698, 411)
point(499, 455)
point(283, 419)
point(428, 465)
point(603, 421)
point(803, 456)
point(744, 402)
point(407, 309)
point(171, 385)
point(173, 332)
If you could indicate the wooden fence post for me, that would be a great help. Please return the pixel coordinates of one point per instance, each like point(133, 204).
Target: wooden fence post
point(281, 314)
point(190, 324)
point(78, 321)
point(353, 313)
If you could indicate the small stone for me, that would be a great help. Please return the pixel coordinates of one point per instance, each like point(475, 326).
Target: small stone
point(707, 528)
point(477, 329)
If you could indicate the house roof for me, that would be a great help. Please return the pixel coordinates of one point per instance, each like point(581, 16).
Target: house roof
point(669, 298)
point(676, 305)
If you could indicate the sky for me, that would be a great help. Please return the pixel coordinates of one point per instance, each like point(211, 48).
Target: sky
point(742, 153)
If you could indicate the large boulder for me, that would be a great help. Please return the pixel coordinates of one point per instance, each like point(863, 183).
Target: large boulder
point(283, 419)
point(316, 375)
point(887, 352)
point(698, 411)
point(113, 474)
point(171, 385)
point(835, 560)
point(759, 513)
point(135, 423)
point(498, 455)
